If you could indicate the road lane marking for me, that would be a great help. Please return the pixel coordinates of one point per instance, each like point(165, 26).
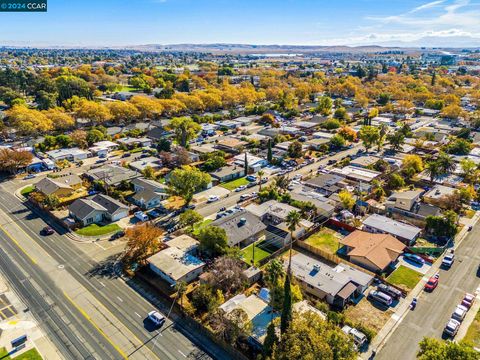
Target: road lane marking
point(137, 314)
point(86, 316)
point(119, 298)
point(182, 353)
point(18, 245)
point(101, 283)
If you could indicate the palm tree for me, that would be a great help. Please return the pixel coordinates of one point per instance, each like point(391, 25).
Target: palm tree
point(433, 170)
point(260, 174)
point(447, 163)
point(293, 219)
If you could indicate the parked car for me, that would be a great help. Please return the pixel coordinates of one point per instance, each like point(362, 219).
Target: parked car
point(414, 258)
point(240, 188)
point(264, 180)
point(47, 230)
point(448, 259)
point(331, 162)
point(140, 215)
point(390, 290)
point(451, 328)
point(154, 214)
point(359, 338)
point(459, 313)
point(251, 178)
point(468, 300)
point(30, 176)
point(117, 235)
point(252, 184)
point(244, 197)
point(126, 155)
point(432, 283)
point(380, 297)
point(212, 198)
point(157, 318)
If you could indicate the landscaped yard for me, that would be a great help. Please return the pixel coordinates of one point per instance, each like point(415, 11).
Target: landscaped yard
point(325, 240)
point(473, 332)
point(261, 252)
point(405, 278)
point(96, 230)
point(27, 190)
point(198, 226)
point(232, 185)
point(31, 354)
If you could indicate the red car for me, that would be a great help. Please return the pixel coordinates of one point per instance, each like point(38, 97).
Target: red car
point(431, 283)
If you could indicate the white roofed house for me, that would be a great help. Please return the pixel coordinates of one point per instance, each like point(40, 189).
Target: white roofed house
point(255, 163)
point(406, 233)
point(178, 262)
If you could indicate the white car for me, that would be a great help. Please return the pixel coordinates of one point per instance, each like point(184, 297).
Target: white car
point(157, 318)
point(213, 198)
point(452, 327)
point(244, 197)
point(241, 188)
point(459, 313)
point(448, 260)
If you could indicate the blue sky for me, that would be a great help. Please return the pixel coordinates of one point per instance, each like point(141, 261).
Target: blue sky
point(310, 22)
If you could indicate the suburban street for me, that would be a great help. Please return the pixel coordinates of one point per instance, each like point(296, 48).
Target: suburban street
point(115, 311)
point(209, 209)
point(434, 309)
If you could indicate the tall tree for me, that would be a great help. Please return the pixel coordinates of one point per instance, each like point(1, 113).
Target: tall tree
point(245, 165)
point(287, 309)
point(185, 129)
point(269, 151)
point(184, 182)
point(433, 170)
point(369, 135)
point(293, 219)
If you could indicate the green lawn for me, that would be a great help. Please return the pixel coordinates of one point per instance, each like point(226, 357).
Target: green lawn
point(232, 185)
point(129, 88)
point(473, 332)
point(96, 230)
point(260, 253)
point(324, 240)
point(31, 354)
point(199, 225)
point(27, 190)
point(405, 277)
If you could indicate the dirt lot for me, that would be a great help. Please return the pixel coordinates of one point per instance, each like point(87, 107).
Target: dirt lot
point(368, 315)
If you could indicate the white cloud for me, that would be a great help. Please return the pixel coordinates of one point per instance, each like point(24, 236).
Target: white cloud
point(426, 6)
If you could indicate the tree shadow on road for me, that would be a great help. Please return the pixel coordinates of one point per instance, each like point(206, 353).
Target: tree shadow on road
point(110, 268)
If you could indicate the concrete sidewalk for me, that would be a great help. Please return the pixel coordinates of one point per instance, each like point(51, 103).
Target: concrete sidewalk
point(384, 334)
point(23, 323)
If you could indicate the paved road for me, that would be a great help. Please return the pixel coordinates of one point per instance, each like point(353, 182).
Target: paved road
point(174, 341)
point(434, 309)
point(209, 209)
point(73, 335)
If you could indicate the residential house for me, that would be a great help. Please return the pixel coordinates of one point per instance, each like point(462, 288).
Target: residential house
point(255, 163)
point(376, 223)
point(177, 263)
point(374, 252)
point(97, 209)
point(72, 154)
point(150, 161)
point(356, 174)
point(437, 193)
point(242, 228)
point(231, 145)
point(228, 173)
point(111, 175)
point(148, 193)
point(132, 142)
point(403, 200)
point(327, 184)
point(337, 285)
point(60, 187)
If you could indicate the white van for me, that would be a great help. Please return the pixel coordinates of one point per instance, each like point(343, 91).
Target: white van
point(140, 215)
point(380, 297)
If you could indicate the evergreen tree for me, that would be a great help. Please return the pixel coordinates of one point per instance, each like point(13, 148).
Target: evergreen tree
point(269, 153)
point(434, 78)
point(246, 164)
point(271, 340)
point(286, 318)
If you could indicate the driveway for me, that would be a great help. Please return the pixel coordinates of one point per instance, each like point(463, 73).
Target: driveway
point(422, 269)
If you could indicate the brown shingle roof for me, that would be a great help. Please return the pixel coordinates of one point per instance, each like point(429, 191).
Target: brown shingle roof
point(379, 249)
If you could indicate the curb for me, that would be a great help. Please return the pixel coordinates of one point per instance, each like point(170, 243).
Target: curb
point(403, 311)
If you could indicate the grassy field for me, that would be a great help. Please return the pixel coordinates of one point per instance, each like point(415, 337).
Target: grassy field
point(31, 354)
point(96, 230)
point(261, 252)
point(232, 185)
point(198, 226)
point(473, 332)
point(27, 190)
point(324, 240)
point(405, 278)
